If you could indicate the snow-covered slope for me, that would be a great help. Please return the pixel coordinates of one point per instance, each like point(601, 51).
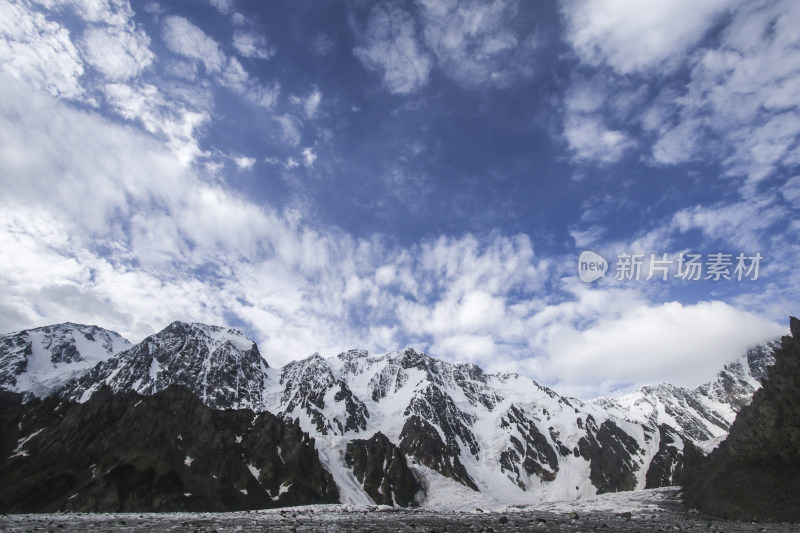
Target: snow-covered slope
point(220, 365)
point(43, 359)
point(503, 436)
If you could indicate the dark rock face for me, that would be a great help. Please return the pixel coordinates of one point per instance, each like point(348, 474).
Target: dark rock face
point(387, 381)
point(11, 409)
point(755, 472)
point(439, 408)
point(760, 358)
point(533, 454)
point(674, 451)
point(421, 441)
point(382, 470)
point(612, 455)
point(307, 383)
point(166, 452)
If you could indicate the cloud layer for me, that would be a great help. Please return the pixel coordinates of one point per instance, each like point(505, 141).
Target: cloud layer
point(428, 180)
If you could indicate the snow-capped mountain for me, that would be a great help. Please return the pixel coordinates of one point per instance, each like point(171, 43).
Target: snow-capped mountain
point(449, 426)
point(220, 366)
point(703, 415)
point(503, 436)
point(40, 360)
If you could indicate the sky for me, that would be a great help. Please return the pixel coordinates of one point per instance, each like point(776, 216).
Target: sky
point(326, 175)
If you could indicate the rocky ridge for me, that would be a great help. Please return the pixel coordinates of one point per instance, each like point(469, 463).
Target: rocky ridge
point(500, 435)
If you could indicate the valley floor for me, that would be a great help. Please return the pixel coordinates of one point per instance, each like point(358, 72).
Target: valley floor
point(651, 510)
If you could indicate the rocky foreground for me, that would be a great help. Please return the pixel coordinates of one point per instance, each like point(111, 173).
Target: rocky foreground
point(755, 472)
point(650, 510)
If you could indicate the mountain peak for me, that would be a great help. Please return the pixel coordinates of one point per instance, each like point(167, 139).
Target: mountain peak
point(217, 334)
point(351, 355)
point(409, 358)
point(40, 360)
point(221, 365)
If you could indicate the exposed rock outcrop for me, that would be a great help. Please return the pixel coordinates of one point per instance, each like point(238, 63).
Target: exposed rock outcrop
point(421, 441)
point(755, 472)
point(382, 470)
point(612, 456)
point(674, 452)
point(166, 452)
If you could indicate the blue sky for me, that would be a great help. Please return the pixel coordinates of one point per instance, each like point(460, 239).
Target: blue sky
point(329, 175)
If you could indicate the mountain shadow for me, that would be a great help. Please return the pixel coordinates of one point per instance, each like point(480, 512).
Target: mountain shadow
point(165, 452)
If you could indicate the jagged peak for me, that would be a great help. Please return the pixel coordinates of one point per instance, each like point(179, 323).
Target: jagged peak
point(310, 363)
point(352, 354)
point(217, 334)
point(408, 357)
point(62, 326)
point(469, 367)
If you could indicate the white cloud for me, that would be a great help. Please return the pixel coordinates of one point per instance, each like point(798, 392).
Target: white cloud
point(744, 224)
point(684, 345)
point(391, 47)
point(591, 107)
point(739, 103)
point(474, 42)
point(244, 162)
point(111, 224)
point(311, 103)
point(112, 13)
point(118, 53)
point(188, 40)
point(39, 52)
point(235, 77)
point(791, 190)
point(309, 156)
point(223, 6)
point(169, 120)
point(251, 44)
point(590, 140)
point(471, 41)
point(631, 36)
point(290, 133)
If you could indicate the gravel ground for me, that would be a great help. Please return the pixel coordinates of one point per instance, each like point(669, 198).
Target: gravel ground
point(648, 511)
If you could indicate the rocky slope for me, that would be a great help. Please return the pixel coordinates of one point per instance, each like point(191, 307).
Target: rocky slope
point(382, 469)
point(501, 436)
point(40, 360)
point(755, 472)
point(166, 452)
point(220, 366)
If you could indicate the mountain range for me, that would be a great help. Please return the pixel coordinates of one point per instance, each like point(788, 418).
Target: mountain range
point(401, 428)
